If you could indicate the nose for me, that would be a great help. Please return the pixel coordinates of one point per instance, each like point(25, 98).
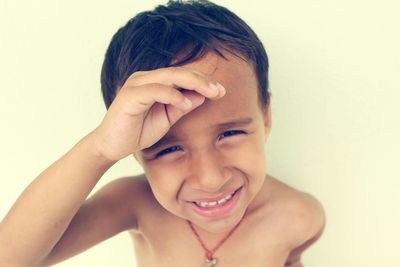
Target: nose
point(209, 171)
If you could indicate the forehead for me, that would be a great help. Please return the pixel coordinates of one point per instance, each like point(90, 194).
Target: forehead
point(240, 101)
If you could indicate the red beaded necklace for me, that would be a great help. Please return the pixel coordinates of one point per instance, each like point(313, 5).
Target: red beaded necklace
point(210, 259)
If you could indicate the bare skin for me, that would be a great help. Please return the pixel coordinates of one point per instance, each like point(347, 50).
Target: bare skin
point(52, 221)
point(275, 233)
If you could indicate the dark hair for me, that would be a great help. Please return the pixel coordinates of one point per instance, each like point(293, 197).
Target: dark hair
point(153, 39)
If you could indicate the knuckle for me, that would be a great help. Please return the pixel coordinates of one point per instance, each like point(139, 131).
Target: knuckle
point(174, 94)
point(172, 69)
point(163, 71)
point(137, 73)
point(157, 88)
point(137, 78)
point(171, 94)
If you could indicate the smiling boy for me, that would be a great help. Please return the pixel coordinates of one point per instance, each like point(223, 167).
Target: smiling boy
point(187, 94)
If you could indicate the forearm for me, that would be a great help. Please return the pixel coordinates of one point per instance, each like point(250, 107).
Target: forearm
point(44, 210)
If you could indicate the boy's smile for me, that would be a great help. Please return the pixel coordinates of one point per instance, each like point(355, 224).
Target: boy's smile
point(210, 166)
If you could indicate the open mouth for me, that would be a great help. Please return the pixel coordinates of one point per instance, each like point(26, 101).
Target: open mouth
point(218, 207)
point(210, 204)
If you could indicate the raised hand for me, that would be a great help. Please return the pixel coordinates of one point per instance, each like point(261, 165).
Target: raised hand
point(147, 105)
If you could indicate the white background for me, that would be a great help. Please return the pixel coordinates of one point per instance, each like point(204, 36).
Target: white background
point(335, 68)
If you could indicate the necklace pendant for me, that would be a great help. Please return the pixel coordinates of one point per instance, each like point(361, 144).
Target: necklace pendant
point(210, 263)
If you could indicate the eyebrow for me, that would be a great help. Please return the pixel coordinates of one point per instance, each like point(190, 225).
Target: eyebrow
point(233, 123)
point(219, 126)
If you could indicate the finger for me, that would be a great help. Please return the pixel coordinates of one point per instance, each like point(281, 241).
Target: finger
point(174, 114)
point(180, 77)
point(196, 98)
point(141, 98)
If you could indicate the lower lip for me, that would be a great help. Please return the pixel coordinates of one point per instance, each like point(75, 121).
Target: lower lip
point(220, 210)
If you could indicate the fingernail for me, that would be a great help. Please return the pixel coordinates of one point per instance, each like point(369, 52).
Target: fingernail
point(221, 89)
point(214, 89)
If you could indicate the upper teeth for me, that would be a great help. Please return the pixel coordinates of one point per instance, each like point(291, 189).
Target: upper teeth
point(214, 203)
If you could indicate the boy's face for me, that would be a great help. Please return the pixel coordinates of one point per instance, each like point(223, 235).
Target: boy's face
point(214, 151)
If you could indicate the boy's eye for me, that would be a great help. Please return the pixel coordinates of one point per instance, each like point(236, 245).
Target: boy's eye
point(230, 133)
point(177, 148)
point(167, 151)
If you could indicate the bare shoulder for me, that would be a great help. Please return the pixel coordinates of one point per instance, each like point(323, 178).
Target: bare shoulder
point(301, 213)
point(117, 204)
point(125, 186)
point(132, 193)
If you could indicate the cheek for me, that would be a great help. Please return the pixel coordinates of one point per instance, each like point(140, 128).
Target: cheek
point(164, 189)
point(164, 179)
point(248, 156)
point(253, 162)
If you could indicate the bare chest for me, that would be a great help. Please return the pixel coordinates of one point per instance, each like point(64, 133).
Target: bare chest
point(181, 248)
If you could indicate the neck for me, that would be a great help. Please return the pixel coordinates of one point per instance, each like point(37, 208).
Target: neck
point(221, 231)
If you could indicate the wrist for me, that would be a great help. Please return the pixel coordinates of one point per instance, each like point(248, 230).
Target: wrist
point(97, 151)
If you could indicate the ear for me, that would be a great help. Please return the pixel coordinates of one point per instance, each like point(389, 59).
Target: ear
point(268, 118)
